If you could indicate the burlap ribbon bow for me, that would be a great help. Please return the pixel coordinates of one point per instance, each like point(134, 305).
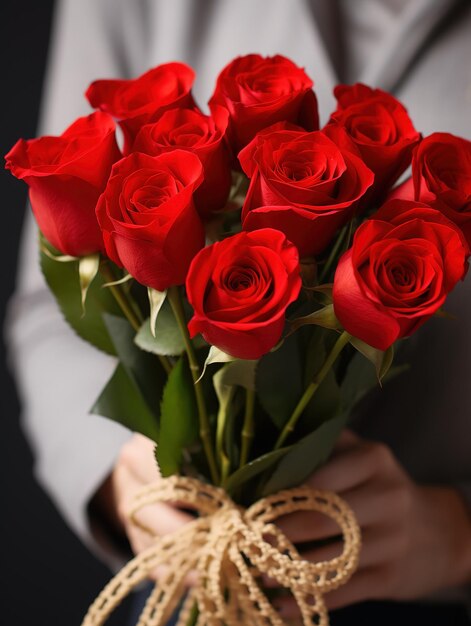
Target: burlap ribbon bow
point(230, 549)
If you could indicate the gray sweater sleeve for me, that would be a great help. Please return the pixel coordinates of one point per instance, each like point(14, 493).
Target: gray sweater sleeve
point(59, 375)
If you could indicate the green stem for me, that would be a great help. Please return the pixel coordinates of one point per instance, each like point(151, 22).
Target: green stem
point(175, 300)
point(224, 463)
point(129, 308)
point(351, 228)
point(333, 254)
point(248, 430)
point(341, 342)
point(121, 298)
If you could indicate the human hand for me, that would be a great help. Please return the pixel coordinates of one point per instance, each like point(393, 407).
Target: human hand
point(416, 539)
point(135, 468)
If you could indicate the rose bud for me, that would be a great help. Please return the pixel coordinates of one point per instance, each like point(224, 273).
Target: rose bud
point(66, 176)
point(441, 177)
point(240, 288)
point(260, 91)
point(138, 101)
point(204, 136)
point(398, 272)
point(149, 222)
point(303, 184)
point(381, 129)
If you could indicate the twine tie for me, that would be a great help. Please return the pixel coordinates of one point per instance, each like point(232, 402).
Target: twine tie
point(230, 549)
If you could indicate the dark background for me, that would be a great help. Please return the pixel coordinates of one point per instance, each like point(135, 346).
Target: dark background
point(47, 576)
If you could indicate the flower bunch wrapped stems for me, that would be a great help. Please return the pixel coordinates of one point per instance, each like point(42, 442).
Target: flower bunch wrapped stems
point(252, 273)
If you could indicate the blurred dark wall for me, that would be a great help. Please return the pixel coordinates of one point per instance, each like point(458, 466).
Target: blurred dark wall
point(47, 577)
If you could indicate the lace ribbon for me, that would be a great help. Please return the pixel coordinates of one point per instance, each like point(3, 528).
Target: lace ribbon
point(230, 548)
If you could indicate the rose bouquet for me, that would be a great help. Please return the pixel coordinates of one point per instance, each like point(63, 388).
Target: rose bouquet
point(251, 273)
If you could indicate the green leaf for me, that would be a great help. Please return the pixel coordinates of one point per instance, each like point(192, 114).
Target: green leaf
point(225, 394)
point(359, 378)
point(215, 355)
point(120, 281)
point(179, 419)
point(254, 468)
point(326, 400)
point(322, 294)
point(122, 401)
point(156, 300)
point(382, 360)
point(323, 406)
point(386, 363)
point(88, 269)
point(143, 368)
point(326, 289)
point(232, 430)
point(279, 380)
point(168, 340)
point(304, 457)
point(324, 317)
point(239, 372)
point(63, 281)
point(319, 342)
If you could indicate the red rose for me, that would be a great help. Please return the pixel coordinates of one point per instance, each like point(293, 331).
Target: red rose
point(441, 177)
point(204, 136)
point(381, 129)
point(66, 176)
point(259, 92)
point(303, 184)
point(149, 222)
point(398, 272)
point(140, 100)
point(240, 288)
